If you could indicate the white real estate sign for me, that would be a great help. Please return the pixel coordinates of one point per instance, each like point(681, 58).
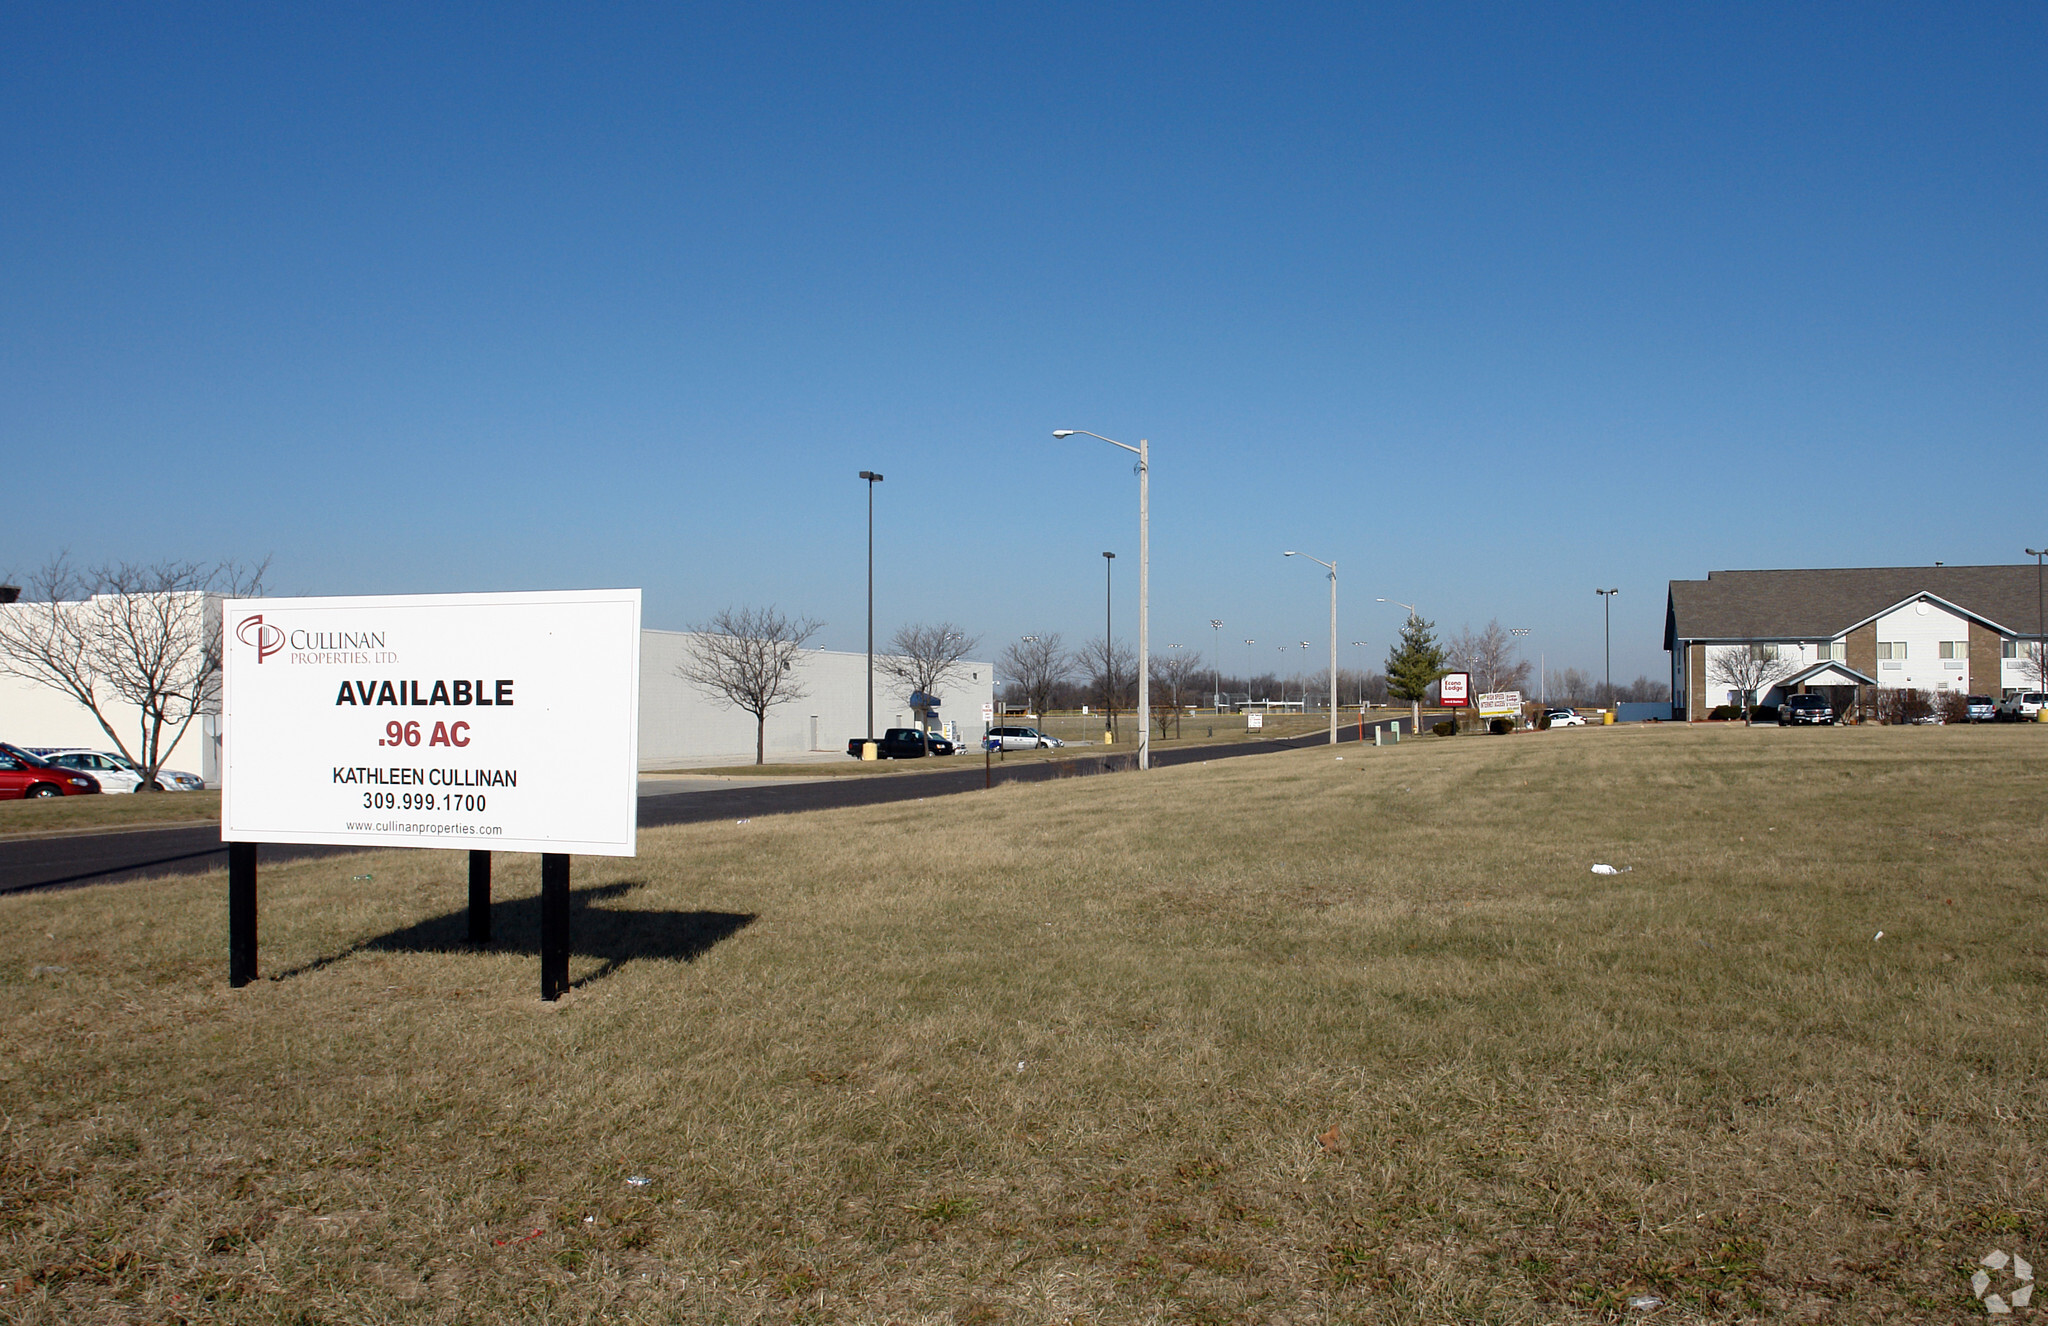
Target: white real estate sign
point(507, 722)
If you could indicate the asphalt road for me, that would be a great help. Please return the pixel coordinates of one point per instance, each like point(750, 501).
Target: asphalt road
point(105, 858)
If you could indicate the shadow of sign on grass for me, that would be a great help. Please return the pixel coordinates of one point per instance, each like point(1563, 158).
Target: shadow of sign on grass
point(614, 936)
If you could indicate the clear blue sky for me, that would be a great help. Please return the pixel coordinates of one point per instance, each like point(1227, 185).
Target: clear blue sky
point(1492, 305)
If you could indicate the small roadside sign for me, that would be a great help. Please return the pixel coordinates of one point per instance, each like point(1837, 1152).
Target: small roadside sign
point(988, 713)
point(1500, 704)
point(1254, 722)
point(1455, 689)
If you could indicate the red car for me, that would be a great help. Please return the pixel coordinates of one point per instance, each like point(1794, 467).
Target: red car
point(24, 775)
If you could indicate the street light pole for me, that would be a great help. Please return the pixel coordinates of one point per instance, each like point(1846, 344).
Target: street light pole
point(2040, 635)
point(1143, 451)
point(1607, 632)
point(1360, 644)
point(873, 479)
point(1333, 642)
point(1415, 723)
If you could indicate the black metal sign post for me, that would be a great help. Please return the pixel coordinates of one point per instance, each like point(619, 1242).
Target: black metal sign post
point(479, 899)
point(554, 925)
point(241, 914)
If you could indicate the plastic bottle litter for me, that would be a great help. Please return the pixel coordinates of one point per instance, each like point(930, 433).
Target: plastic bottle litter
point(1645, 1303)
point(1604, 869)
point(1879, 935)
point(639, 1180)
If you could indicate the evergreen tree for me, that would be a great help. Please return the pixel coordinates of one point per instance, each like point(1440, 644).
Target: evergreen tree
point(1414, 663)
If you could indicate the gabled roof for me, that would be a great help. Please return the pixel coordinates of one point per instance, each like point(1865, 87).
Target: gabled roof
point(1822, 604)
point(1848, 675)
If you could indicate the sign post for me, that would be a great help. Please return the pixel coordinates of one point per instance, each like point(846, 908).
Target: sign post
point(487, 722)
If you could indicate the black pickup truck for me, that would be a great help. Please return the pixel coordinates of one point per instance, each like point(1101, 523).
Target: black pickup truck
point(902, 743)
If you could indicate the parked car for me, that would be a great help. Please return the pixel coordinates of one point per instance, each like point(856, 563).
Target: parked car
point(1805, 711)
point(115, 772)
point(1020, 738)
point(1979, 709)
point(1563, 718)
point(22, 775)
point(902, 743)
point(2024, 706)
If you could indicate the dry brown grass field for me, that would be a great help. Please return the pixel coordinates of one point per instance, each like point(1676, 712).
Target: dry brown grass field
point(106, 811)
point(1282, 1039)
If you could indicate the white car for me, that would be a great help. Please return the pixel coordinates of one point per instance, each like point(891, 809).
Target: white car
point(2024, 707)
point(1564, 718)
point(1020, 738)
point(118, 773)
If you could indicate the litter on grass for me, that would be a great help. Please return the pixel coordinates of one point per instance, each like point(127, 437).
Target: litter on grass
point(1604, 869)
point(1645, 1303)
point(639, 1180)
point(1879, 935)
point(360, 879)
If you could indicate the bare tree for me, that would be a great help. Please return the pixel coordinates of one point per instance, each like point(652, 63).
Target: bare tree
point(148, 636)
point(748, 658)
point(1114, 671)
point(1040, 664)
point(924, 658)
point(1173, 672)
point(1750, 669)
point(1491, 657)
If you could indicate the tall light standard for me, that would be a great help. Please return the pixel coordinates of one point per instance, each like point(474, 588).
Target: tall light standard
point(1249, 642)
point(2040, 635)
point(1607, 630)
point(1108, 648)
point(1216, 638)
point(1143, 451)
point(1032, 640)
point(1333, 640)
point(1414, 723)
point(1360, 644)
point(873, 479)
point(1518, 632)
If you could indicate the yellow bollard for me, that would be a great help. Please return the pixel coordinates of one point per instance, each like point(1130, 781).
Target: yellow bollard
point(1109, 738)
point(868, 751)
point(1606, 718)
point(2041, 714)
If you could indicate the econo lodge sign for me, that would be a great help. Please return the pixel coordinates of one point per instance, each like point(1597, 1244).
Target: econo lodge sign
point(506, 722)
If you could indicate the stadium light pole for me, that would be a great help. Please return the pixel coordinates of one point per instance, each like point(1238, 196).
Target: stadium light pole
point(1108, 643)
point(873, 479)
point(1607, 633)
point(1216, 639)
point(1143, 451)
point(1333, 638)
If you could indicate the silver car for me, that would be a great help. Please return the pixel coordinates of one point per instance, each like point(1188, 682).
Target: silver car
point(1020, 738)
point(118, 773)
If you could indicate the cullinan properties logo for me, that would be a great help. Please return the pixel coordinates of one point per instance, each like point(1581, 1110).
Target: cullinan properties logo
point(318, 647)
point(264, 639)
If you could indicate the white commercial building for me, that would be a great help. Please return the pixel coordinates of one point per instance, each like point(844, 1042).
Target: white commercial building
point(680, 724)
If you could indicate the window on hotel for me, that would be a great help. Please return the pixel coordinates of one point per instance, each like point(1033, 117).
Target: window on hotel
point(1835, 651)
point(2008, 649)
point(1955, 649)
point(1891, 651)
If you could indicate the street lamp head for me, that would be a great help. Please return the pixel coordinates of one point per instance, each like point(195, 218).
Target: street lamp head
point(1062, 432)
point(871, 476)
point(1288, 553)
point(1109, 554)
